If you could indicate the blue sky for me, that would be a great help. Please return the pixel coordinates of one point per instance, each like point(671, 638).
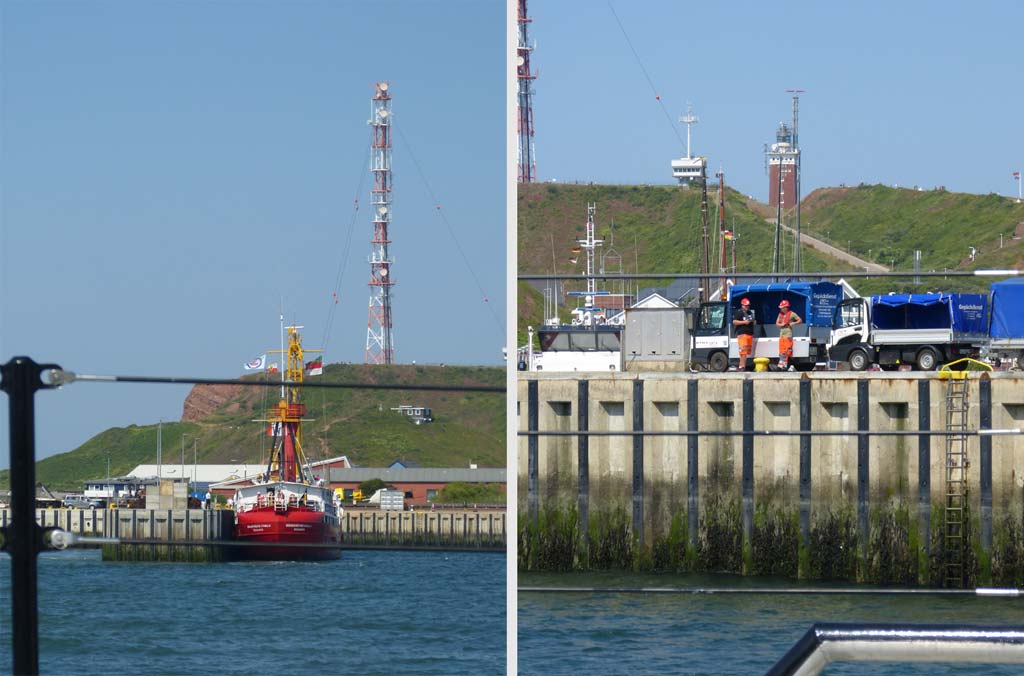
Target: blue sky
point(907, 93)
point(172, 171)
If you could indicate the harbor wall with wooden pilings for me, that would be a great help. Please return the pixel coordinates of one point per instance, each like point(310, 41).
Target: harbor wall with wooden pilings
point(174, 535)
point(748, 495)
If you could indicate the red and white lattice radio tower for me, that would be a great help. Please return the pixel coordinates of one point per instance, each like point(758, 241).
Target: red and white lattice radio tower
point(527, 161)
point(380, 346)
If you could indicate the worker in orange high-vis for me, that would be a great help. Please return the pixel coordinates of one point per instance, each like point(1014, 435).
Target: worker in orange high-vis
point(744, 321)
point(786, 320)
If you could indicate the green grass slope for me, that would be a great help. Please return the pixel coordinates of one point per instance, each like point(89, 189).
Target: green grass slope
point(886, 225)
point(531, 310)
point(468, 427)
point(656, 229)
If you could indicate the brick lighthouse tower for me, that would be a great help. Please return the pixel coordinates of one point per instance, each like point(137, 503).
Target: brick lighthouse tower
point(783, 156)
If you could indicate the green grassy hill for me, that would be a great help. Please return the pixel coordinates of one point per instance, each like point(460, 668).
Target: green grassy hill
point(656, 229)
point(886, 225)
point(468, 427)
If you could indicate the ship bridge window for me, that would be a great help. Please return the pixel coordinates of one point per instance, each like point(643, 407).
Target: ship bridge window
point(579, 341)
point(551, 341)
point(589, 341)
point(582, 342)
point(608, 341)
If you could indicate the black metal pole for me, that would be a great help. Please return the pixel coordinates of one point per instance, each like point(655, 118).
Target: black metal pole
point(21, 379)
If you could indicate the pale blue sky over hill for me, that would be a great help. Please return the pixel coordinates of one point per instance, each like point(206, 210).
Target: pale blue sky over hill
point(172, 172)
point(908, 93)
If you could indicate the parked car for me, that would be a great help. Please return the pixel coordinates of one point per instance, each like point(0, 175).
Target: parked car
point(81, 502)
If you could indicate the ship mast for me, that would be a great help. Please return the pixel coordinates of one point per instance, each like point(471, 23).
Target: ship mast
point(588, 314)
point(797, 261)
point(721, 230)
point(705, 253)
point(777, 246)
point(588, 245)
point(287, 416)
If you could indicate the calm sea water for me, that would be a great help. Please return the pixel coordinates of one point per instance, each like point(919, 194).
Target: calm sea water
point(367, 613)
point(603, 633)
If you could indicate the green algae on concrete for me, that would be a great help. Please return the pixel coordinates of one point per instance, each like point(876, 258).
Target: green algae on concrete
point(1008, 554)
point(552, 544)
point(775, 541)
point(891, 560)
point(612, 543)
point(832, 546)
point(720, 545)
point(673, 552)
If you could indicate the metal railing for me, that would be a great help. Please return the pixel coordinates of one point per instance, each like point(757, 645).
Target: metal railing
point(824, 644)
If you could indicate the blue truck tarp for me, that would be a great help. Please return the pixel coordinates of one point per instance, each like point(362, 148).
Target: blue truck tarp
point(965, 313)
point(1007, 309)
point(813, 301)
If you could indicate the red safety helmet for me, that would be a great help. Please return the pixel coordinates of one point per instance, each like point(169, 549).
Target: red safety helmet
point(784, 305)
point(745, 301)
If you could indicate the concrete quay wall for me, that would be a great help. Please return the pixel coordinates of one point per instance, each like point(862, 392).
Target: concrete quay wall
point(148, 534)
point(447, 529)
point(173, 535)
point(853, 506)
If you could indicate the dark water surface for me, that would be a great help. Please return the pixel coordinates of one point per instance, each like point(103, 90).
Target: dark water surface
point(605, 633)
point(367, 613)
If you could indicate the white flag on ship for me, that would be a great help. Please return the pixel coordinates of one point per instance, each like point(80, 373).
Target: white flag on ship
point(257, 364)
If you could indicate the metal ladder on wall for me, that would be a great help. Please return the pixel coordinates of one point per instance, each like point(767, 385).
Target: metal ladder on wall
point(957, 403)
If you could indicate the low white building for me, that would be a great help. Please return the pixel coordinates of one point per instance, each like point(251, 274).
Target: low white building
point(198, 474)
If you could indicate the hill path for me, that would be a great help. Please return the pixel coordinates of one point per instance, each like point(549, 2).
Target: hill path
point(821, 246)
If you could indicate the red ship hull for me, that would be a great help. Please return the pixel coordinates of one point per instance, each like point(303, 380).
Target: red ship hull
point(295, 534)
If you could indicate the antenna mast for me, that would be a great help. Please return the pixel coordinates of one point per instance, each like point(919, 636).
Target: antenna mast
point(689, 120)
point(527, 162)
point(380, 347)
